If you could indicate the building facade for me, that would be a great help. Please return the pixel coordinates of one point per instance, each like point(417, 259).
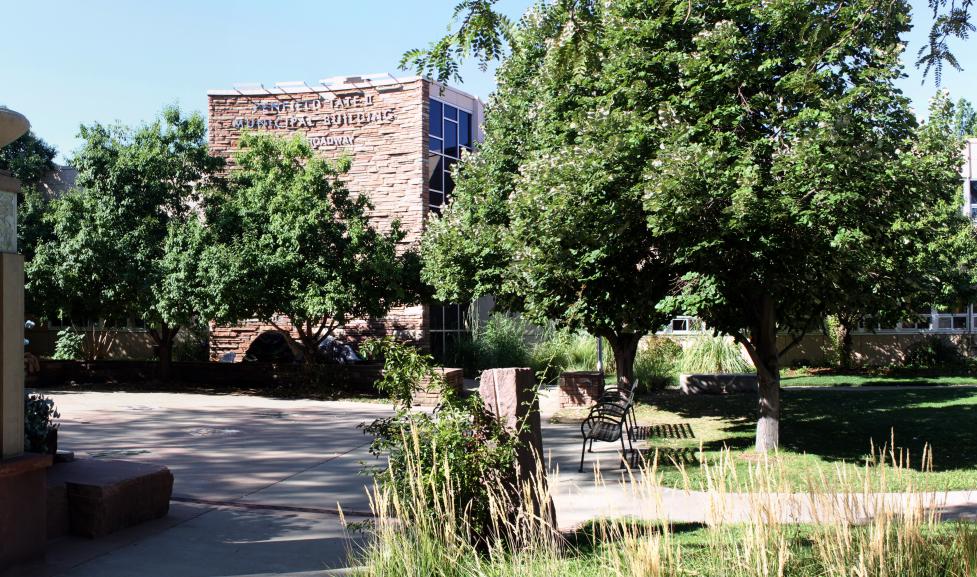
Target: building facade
point(402, 135)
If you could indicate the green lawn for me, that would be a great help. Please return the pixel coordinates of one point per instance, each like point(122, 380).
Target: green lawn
point(824, 428)
point(866, 380)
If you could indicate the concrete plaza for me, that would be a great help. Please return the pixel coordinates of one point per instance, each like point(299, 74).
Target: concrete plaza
point(259, 484)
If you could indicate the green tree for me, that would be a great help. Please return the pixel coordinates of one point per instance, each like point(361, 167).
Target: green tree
point(951, 19)
point(123, 242)
point(28, 159)
point(789, 154)
point(292, 240)
point(965, 119)
point(548, 216)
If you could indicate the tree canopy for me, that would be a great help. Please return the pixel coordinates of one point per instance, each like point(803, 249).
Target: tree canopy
point(291, 240)
point(548, 217)
point(122, 242)
point(28, 159)
point(775, 161)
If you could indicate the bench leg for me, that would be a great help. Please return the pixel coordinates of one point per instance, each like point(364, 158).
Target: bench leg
point(624, 452)
point(583, 451)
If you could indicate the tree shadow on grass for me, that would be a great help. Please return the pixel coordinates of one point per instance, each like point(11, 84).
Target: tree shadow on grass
point(843, 425)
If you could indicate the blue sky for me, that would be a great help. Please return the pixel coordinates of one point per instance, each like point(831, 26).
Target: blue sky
point(66, 62)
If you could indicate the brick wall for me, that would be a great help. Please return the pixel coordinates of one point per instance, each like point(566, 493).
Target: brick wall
point(384, 132)
point(580, 389)
point(454, 380)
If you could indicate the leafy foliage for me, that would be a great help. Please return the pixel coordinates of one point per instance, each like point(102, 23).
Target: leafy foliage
point(292, 240)
point(28, 159)
point(657, 364)
point(482, 33)
point(126, 242)
point(460, 451)
point(39, 418)
point(951, 19)
point(548, 215)
point(69, 345)
point(965, 119)
point(934, 352)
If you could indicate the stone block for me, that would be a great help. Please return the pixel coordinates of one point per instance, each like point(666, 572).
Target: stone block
point(105, 496)
point(23, 503)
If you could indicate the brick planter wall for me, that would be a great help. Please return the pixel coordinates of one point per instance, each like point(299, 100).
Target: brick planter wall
point(427, 397)
point(580, 389)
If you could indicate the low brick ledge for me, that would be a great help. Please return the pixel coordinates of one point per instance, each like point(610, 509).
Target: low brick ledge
point(24, 464)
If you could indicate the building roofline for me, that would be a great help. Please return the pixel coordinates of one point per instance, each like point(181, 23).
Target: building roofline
point(380, 81)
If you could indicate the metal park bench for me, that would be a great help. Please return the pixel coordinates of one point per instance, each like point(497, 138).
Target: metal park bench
point(609, 421)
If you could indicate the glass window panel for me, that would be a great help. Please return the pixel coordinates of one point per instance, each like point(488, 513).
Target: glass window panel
point(959, 322)
point(449, 183)
point(435, 118)
point(450, 113)
point(435, 198)
point(465, 129)
point(435, 170)
point(450, 347)
point(943, 323)
point(436, 317)
point(451, 139)
point(451, 318)
point(679, 325)
point(437, 345)
point(434, 144)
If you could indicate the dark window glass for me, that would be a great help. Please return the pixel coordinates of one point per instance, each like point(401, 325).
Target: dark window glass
point(451, 139)
point(450, 347)
point(959, 322)
point(450, 112)
point(451, 318)
point(437, 346)
point(434, 144)
point(435, 169)
point(435, 210)
point(464, 129)
point(679, 325)
point(449, 183)
point(436, 314)
point(435, 119)
point(435, 198)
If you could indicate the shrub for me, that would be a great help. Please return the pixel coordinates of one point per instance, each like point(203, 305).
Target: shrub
point(502, 342)
point(69, 345)
point(558, 351)
point(39, 416)
point(714, 354)
point(656, 365)
point(460, 451)
point(934, 352)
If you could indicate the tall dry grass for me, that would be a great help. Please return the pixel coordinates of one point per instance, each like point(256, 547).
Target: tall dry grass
point(754, 527)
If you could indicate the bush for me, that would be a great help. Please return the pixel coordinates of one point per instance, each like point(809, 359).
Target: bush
point(934, 352)
point(39, 418)
point(502, 342)
point(714, 354)
point(656, 365)
point(460, 451)
point(558, 351)
point(69, 345)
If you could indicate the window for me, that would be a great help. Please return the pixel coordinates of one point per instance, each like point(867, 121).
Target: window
point(448, 327)
point(450, 135)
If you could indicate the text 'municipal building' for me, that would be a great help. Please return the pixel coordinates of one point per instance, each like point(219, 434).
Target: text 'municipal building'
point(402, 135)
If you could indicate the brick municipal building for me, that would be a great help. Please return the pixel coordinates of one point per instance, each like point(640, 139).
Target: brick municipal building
point(403, 135)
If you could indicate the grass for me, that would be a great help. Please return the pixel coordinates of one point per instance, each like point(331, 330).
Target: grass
point(873, 380)
point(821, 429)
point(421, 532)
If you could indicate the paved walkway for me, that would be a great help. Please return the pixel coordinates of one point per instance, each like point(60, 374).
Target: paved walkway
point(258, 484)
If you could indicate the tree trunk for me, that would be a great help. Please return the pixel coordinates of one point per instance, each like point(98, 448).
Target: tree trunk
point(164, 341)
point(765, 355)
point(845, 345)
point(625, 347)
